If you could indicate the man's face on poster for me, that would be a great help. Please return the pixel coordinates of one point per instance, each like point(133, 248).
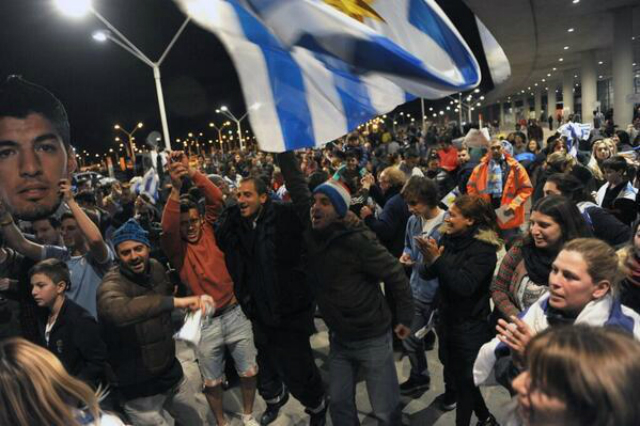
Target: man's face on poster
point(33, 159)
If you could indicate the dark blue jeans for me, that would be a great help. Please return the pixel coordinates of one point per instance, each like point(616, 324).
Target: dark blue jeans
point(374, 359)
point(414, 345)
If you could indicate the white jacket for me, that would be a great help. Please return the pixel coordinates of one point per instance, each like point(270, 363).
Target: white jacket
point(605, 311)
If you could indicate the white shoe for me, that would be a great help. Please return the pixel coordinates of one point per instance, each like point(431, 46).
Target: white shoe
point(248, 420)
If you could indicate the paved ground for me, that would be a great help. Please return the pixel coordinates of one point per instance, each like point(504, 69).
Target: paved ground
point(415, 411)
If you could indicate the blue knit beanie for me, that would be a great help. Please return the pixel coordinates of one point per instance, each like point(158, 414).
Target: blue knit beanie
point(130, 231)
point(337, 193)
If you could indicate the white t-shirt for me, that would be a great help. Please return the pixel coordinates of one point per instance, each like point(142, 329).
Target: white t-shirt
point(429, 224)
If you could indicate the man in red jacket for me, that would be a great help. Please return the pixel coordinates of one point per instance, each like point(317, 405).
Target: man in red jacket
point(188, 240)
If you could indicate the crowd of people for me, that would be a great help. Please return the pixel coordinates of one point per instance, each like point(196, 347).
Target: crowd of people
point(521, 259)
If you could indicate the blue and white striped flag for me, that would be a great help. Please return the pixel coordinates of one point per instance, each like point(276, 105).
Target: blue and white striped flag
point(313, 70)
point(574, 133)
point(148, 185)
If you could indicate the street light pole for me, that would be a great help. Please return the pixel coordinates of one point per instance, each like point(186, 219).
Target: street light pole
point(225, 111)
point(219, 129)
point(79, 8)
point(132, 154)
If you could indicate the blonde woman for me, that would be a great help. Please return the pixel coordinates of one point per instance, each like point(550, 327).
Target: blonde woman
point(36, 390)
point(577, 376)
point(600, 151)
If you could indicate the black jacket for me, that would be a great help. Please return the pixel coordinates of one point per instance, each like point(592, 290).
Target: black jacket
point(267, 265)
point(464, 272)
point(462, 176)
point(607, 227)
point(630, 295)
point(346, 265)
point(391, 225)
point(75, 339)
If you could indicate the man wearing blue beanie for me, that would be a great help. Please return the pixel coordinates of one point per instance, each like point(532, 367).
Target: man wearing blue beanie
point(134, 307)
point(347, 263)
point(337, 193)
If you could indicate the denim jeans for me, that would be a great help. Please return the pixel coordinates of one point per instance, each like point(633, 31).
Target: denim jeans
point(414, 345)
point(180, 402)
point(373, 358)
point(233, 331)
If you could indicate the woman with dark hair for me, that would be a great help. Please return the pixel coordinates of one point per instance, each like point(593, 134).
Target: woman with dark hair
point(603, 224)
point(618, 195)
point(524, 272)
point(463, 264)
point(519, 143)
point(622, 140)
point(533, 146)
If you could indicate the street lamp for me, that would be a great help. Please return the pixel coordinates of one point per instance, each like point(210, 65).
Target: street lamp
point(74, 8)
point(130, 139)
point(225, 111)
point(469, 106)
point(80, 8)
point(219, 129)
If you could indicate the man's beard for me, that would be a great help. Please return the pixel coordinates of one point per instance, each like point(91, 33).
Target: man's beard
point(35, 212)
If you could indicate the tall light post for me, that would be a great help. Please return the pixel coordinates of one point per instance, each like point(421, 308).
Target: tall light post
point(225, 111)
point(219, 129)
point(80, 8)
point(470, 105)
point(130, 138)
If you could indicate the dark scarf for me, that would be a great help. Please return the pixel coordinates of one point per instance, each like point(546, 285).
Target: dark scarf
point(143, 279)
point(556, 317)
point(538, 262)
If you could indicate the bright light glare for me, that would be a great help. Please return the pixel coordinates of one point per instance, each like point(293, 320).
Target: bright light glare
point(74, 8)
point(100, 36)
point(223, 108)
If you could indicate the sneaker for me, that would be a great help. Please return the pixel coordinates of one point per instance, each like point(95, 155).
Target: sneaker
point(248, 420)
point(319, 418)
point(446, 401)
point(489, 421)
point(272, 411)
point(414, 385)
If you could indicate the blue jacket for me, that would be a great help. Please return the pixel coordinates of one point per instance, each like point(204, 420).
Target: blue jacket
point(391, 223)
point(423, 290)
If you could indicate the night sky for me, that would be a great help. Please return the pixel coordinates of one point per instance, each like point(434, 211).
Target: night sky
point(100, 84)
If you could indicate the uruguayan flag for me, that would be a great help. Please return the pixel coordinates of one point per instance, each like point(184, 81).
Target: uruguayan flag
point(313, 70)
point(148, 185)
point(575, 132)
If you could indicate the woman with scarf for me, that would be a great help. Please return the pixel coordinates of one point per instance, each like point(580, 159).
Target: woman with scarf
point(583, 286)
point(524, 272)
point(463, 263)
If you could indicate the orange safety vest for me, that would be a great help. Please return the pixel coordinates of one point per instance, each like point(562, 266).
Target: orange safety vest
point(515, 193)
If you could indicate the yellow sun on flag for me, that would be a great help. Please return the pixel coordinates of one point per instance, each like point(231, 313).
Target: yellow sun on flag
point(356, 9)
